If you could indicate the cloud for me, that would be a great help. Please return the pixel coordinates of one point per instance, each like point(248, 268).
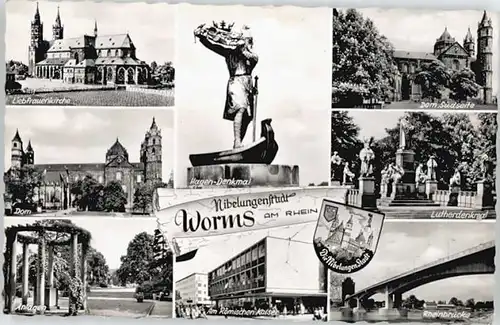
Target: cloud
point(150, 26)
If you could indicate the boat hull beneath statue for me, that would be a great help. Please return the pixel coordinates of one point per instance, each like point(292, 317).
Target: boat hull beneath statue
point(262, 151)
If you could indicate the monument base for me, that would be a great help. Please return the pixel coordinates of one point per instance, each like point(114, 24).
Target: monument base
point(484, 196)
point(242, 175)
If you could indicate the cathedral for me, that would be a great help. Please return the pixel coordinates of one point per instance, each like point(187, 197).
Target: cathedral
point(87, 59)
point(57, 178)
point(455, 56)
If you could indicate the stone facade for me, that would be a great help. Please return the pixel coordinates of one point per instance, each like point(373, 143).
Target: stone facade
point(455, 57)
point(115, 168)
point(88, 59)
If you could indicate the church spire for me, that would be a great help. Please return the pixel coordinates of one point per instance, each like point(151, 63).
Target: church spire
point(58, 18)
point(468, 37)
point(37, 14)
point(57, 28)
point(95, 28)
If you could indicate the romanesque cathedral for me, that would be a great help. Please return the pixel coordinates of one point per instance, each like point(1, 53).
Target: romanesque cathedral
point(87, 59)
point(455, 56)
point(57, 177)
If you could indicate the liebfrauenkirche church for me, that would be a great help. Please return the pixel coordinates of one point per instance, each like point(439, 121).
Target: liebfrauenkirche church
point(86, 59)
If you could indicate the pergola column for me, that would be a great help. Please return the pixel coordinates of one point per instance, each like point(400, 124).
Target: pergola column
point(40, 285)
point(11, 293)
point(50, 270)
point(25, 276)
point(83, 272)
point(74, 254)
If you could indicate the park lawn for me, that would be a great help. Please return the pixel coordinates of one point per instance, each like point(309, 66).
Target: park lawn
point(101, 98)
point(105, 307)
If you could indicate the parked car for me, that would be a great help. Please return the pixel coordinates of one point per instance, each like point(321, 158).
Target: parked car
point(139, 296)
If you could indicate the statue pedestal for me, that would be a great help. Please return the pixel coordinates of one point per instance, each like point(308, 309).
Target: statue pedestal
point(367, 192)
point(430, 188)
point(406, 160)
point(242, 175)
point(453, 199)
point(484, 196)
point(421, 188)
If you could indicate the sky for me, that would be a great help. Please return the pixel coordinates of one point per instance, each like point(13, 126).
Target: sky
point(83, 135)
point(404, 246)
point(150, 26)
point(374, 123)
point(417, 30)
point(293, 45)
point(112, 244)
point(217, 250)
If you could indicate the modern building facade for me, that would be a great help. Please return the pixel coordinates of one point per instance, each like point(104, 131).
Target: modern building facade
point(87, 59)
point(273, 272)
point(193, 289)
point(57, 178)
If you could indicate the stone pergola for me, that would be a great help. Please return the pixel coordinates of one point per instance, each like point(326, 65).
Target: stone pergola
point(46, 236)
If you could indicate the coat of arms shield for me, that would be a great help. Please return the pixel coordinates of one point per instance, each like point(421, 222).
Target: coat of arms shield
point(346, 237)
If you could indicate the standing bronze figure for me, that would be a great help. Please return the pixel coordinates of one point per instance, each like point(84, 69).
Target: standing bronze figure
point(237, 49)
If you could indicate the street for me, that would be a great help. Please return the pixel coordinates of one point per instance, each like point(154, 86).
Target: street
point(121, 302)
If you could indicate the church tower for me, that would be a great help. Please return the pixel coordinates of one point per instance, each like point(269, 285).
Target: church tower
point(17, 152)
point(469, 45)
point(57, 28)
point(151, 154)
point(30, 155)
point(35, 41)
point(485, 57)
point(95, 28)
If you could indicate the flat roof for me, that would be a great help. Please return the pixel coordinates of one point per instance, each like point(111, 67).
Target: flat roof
point(192, 274)
point(258, 242)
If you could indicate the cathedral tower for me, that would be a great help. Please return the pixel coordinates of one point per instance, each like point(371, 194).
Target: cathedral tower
point(57, 28)
point(30, 155)
point(469, 45)
point(443, 42)
point(17, 152)
point(35, 41)
point(485, 57)
point(151, 154)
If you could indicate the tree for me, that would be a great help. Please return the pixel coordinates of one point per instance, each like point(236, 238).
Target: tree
point(411, 302)
point(97, 270)
point(363, 64)
point(462, 143)
point(485, 145)
point(154, 66)
point(453, 301)
point(463, 85)
point(89, 194)
point(470, 303)
point(143, 196)
point(433, 78)
point(115, 198)
point(134, 266)
point(344, 136)
point(20, 184)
